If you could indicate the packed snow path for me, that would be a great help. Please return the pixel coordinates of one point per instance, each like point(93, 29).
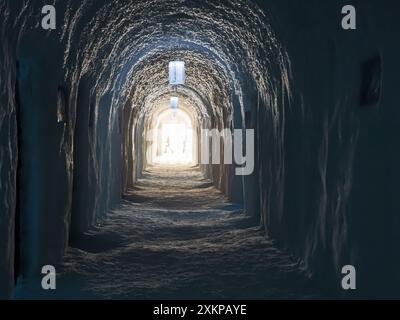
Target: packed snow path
point(176, 236)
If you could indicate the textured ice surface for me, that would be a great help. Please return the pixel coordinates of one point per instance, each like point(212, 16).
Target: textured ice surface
point(176, 236)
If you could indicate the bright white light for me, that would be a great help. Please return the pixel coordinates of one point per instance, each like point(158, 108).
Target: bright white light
point(174, 102)
point(176, 72)
point(173, 138)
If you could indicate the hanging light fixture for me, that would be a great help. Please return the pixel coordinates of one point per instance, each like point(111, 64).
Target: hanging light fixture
point(174, 103)
point(176, 72)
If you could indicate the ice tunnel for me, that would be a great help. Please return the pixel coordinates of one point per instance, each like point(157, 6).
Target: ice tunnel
point(85, 111)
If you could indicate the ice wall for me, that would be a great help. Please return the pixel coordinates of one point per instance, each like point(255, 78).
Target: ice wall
point(84, 89)
point(327, 169)
point(330, 166)
point(8, 155)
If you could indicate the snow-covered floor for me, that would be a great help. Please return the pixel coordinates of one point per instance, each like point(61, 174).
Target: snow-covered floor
point(176, 236)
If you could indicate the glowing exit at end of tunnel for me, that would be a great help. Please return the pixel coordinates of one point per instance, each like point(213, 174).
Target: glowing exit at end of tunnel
point(171, 138)
point(174, 140)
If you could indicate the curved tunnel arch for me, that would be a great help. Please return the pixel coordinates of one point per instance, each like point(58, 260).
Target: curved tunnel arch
point(173, 129)
point(225, 52)
point(129, 43)
point(115, 57)
point(74, 103)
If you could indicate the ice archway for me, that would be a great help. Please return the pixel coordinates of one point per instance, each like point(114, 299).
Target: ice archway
point(76, 104)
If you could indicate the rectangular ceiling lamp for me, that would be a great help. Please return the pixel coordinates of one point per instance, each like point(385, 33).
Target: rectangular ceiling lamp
point(174, 102)
point(176, 72)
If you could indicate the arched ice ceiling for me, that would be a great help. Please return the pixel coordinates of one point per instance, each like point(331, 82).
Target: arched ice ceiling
point(227, 46)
